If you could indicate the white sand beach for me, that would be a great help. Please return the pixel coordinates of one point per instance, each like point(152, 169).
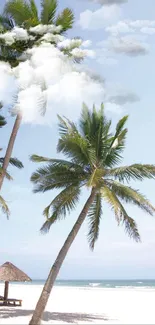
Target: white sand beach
point(68, 305)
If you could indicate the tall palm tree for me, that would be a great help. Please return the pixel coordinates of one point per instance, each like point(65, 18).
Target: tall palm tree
point(93, 153)
point(13, 161)
point(25, 14)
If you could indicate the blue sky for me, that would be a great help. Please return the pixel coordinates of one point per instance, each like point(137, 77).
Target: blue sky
point(125, 60)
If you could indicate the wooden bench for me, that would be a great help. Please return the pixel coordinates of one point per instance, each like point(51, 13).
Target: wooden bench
point(10, 302)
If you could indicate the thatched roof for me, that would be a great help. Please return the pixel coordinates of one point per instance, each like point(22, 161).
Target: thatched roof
point(9, 272)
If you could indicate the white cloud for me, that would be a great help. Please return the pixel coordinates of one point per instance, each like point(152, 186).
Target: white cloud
point(42, 29)
point(148, 30)
point(93, 20)
point(126, 45)
point(120, 27)
point(110, 2)
point(130, 26)
point(66, 87)
point(8, 85)
point(17, 33)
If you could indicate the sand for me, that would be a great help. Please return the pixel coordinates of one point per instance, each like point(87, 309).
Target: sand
point(82, 305)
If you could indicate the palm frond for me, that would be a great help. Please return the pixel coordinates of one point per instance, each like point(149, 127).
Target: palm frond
point(132, 196)
point(116, 144)
point(76, 147)
point(131, 228)
point(135, 172)
point(94, 216)
point(4, 207)
point(48, 11)
point(6, 22)
point(64, 202)
point(120, 125)
point(7, 175)
point(39, 159)
point(110, 197)
point(57, 175)
point(34, 9)
point(95, 127)
point(2, 121)
point(14, 162)
point(72, 144)
point(21, 12)
point(121, 214)
point(56, 162)
point(65, 19)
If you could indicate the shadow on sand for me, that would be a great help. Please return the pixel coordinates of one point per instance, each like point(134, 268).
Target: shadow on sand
point(48, 316)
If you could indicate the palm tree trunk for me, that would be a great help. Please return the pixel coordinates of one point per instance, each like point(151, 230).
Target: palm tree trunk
point(10, 147)
point(40, 307)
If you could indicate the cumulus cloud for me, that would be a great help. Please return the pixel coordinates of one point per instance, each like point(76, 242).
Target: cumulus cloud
point(8, 85)
point(48, 79)
point(94, 20)
point(126, 45)
point(148, 30)
point(130, 26)
point(110, 2)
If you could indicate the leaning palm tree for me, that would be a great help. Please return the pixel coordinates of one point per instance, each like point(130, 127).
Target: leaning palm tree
point(13, 161)
point(25, 14)
point(93, 153)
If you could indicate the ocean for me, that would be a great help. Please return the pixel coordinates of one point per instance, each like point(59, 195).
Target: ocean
point(101, 283)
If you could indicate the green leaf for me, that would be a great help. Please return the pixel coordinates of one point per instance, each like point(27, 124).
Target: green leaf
point(21, 12)
point(121, 214)
point(132, 196)
point(64, 202)
point(48, 11)
point(16, 163)
point(94, 217)
point(136, 172)
point(120, 125)
point(65, 19)
point(34, 10)
point(6, 22)
point(2, 121)
point(57, 175)
point(7, 175)
point(4, 207)
point(110, 197)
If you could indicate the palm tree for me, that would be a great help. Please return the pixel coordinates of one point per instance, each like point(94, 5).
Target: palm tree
point(25, 14)
point(13, 161)
point(93, 154)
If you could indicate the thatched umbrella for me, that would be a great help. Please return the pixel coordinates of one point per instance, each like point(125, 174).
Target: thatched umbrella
point(9, 272)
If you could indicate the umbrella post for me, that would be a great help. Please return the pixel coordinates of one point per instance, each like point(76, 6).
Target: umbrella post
point(6, 290)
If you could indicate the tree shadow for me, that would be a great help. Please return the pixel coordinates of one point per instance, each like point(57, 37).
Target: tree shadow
point(48, 316)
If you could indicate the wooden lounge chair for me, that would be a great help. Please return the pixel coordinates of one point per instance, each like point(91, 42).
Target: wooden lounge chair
point(10, 302)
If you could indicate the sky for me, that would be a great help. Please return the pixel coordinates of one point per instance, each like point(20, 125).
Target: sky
point(122, 35)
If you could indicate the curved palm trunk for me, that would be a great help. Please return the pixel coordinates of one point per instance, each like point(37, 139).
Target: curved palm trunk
point(10, 147)
point(40, 307)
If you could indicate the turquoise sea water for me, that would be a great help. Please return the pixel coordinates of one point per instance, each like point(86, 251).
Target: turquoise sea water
point(100, 283)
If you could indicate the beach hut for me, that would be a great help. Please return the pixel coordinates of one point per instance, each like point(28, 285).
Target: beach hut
point(10, 273)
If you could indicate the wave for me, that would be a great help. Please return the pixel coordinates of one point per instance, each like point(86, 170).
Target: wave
point(94, 284)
